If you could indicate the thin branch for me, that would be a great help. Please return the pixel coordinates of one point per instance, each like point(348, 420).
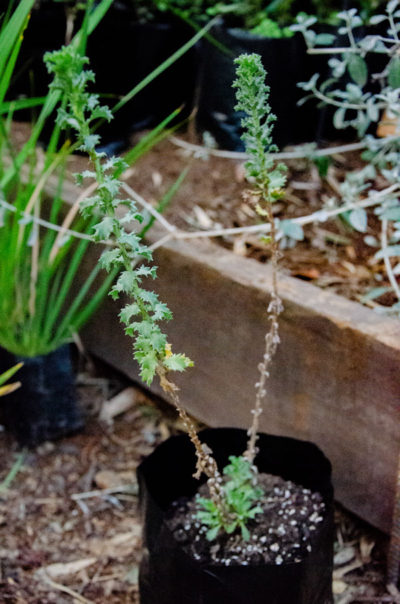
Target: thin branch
point(145, 204)
point(124, 488)
point(67, 590)
point(332, 51)
point(300, 154)
point(45, 223)
point(318, 216)
point(72, 212)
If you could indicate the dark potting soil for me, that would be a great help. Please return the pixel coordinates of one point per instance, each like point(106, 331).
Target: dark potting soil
point(283, 533)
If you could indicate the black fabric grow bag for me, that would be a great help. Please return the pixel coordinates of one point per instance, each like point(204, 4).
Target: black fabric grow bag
point(284, 60)
point(169, 576)
point(45, 406)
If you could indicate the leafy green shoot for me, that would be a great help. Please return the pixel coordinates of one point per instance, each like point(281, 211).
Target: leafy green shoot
point(142, 315)
point(241, 495)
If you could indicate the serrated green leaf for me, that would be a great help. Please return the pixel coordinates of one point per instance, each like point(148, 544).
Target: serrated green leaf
point(88, 205)
point(125, 282)
point(178, 362)
point(162, 312)
point(148, 296)
point(102, 112)
point(131, 216)
point(131, 240)
point(110, 258)
point(111, 185)
point(129, 311)
point(357, 68)
point(148, 365)
point(104, 229)
point(90, 142)
point(147, 271)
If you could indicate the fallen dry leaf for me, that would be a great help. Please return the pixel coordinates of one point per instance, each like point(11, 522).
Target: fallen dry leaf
point(118, 404)
point(338, 586)
point(119, 546)
point(366, 546)
point(108, 479)
point(341, 572)
point(59, 569)
point(344, 555)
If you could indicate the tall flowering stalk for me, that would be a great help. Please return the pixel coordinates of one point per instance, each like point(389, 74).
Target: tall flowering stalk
point(144, 312)
point(268, 181)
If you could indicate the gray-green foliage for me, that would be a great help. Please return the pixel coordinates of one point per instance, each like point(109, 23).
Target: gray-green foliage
point(362, 99)
point(143, 314)
point(241, 496)
point(267, 179)
point(357, 105)
point(252, 95)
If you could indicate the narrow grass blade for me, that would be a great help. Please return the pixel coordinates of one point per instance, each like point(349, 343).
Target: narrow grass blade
point(166, 199)
point(13, 472)
point(163, 66)
point(4, 377)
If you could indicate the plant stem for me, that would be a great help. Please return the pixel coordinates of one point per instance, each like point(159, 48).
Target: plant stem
point(271, 339)
point(205, 462)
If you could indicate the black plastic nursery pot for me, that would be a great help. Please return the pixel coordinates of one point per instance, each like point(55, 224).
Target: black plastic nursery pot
point(285, 62)
point(123, 52)
point(45, 407)
point(168, 575)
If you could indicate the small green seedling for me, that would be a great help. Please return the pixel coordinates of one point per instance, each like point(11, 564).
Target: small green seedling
point(241, 495)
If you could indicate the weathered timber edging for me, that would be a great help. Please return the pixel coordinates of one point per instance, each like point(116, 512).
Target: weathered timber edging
point(335, 380)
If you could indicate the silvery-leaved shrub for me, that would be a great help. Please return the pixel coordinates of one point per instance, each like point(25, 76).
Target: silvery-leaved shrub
point(363, 87)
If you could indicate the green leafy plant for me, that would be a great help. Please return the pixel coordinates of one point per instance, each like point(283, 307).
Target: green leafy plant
point(188, 9)
point(268, 179)
point(241, 495)
point(41, 248)
point(233, 502)
point(268, 28)
point(82, 109)
point(43, 244)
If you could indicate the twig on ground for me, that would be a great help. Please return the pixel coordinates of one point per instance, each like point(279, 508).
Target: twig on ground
point(67, 590)
point(123, 488)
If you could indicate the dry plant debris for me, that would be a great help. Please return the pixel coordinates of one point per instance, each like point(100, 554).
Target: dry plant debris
point(69, 524)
